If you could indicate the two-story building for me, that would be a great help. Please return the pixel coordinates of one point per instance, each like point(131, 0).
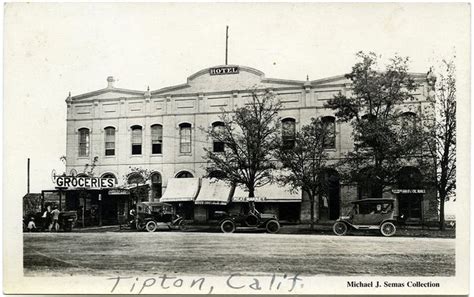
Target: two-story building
point(162, 130)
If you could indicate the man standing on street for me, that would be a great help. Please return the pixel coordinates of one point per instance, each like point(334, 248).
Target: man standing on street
point(55, 214)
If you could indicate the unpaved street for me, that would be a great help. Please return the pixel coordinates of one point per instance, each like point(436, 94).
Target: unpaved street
point(216, 254)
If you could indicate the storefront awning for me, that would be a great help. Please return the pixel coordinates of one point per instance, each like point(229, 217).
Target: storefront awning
point(213, 192)
point(181, 189)
point(268, 193)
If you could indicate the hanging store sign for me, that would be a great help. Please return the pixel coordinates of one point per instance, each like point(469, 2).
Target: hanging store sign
point(246, 199)
point(87, 182)
point(408, 191)
point(224, 70)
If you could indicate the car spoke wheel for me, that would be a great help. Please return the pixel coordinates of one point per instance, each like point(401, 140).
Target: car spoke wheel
point(340, 228)
point(272, 226)
point(251, 220)
point(182, 225)
point(151, 226)
point(388, 229)
point(227, 226)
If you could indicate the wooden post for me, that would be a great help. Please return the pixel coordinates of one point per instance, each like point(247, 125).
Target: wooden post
point(60, 196)
point(83, 212)
point(100, 210)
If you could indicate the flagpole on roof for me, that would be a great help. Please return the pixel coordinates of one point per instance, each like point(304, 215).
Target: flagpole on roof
point(226, 42)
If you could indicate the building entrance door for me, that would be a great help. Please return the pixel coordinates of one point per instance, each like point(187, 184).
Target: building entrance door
point(330, 198)
point(409, 205)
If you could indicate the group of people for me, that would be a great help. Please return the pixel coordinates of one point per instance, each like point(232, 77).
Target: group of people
point(50, 219)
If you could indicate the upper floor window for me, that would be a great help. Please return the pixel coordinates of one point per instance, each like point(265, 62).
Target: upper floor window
point(217, 146)
point(156, 139)
point(84, 142)
point(288, 130)
point(408, 121)
point(185, 138)
point(110, 141)
point(136, 140)
point(330, 125)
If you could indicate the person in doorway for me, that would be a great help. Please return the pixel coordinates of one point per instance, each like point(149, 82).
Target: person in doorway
point(55, 214)
point(31, 225)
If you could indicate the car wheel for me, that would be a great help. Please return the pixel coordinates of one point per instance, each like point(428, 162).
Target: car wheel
point(151, 226)
point(272, 226)
point(182, 225)
point(227, 226)
point(388, 229)
point(340, 228)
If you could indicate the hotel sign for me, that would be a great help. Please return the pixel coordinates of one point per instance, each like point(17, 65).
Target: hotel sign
point(86, 182)
point(224, 70)
point(408, 191)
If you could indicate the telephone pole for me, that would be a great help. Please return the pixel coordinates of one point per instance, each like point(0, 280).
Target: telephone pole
point(226, 42)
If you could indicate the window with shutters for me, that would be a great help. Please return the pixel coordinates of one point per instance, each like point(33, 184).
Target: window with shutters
point(110, 141)
point(156, 139)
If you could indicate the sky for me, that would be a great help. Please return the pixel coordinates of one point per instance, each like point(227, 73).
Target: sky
point(52, 49)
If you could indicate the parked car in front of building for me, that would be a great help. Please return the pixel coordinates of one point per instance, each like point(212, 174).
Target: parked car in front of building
point(368, 214)
point(249, 220)
point(152, 214)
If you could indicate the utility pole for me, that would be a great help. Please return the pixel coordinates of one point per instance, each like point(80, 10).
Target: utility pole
point(226, 42)
point(28, 176)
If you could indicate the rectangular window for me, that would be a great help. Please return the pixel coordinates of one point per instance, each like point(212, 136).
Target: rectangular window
point(156, 139)
point(110, 141)
point(136, 141)
point(185, 139)
point(84, 142)
point(218, 146)
point(330, 137)
point(288, 133)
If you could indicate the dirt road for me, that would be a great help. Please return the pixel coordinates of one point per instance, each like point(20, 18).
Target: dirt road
point(216, 254)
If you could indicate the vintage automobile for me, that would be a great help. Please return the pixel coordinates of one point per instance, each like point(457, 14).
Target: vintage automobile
point(250, 220)
point(369, 214)
point(152, 214)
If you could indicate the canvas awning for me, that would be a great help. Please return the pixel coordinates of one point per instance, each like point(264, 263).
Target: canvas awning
point(213, 192)
point(268, 193)
point(181, 189)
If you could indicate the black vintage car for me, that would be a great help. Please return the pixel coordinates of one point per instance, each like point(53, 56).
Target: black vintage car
point(152, 214)
point(250, 220)
point(369, 214)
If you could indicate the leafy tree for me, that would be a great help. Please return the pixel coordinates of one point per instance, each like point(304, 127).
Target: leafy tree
point(138, 177)
point(304, 164)
point(440, 131)
point(250, 136)
point(383, 143)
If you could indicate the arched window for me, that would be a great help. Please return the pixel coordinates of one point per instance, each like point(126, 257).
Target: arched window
point(408, 121)
point(84, 142)
point(110, 175)
point(156, 185)
point(288, 130)
point(330, 124)
point(109, 141)
point(156, 139)
point(217, 146)
point(184, 174)
point(135, 178)
point(185, 138)
point(136, 140)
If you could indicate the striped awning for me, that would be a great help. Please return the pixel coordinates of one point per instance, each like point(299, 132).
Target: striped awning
point(268, 193)
point(181, 189)
point(213, 192)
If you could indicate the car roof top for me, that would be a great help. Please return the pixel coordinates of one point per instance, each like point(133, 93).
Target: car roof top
point(374, 200)
point(154, 203)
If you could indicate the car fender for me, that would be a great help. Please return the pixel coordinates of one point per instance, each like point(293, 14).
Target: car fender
point(346, 222)
point(393, 221)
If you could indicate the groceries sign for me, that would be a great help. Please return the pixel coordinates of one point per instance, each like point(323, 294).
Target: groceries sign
point(224, 70)
point(84, 182)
